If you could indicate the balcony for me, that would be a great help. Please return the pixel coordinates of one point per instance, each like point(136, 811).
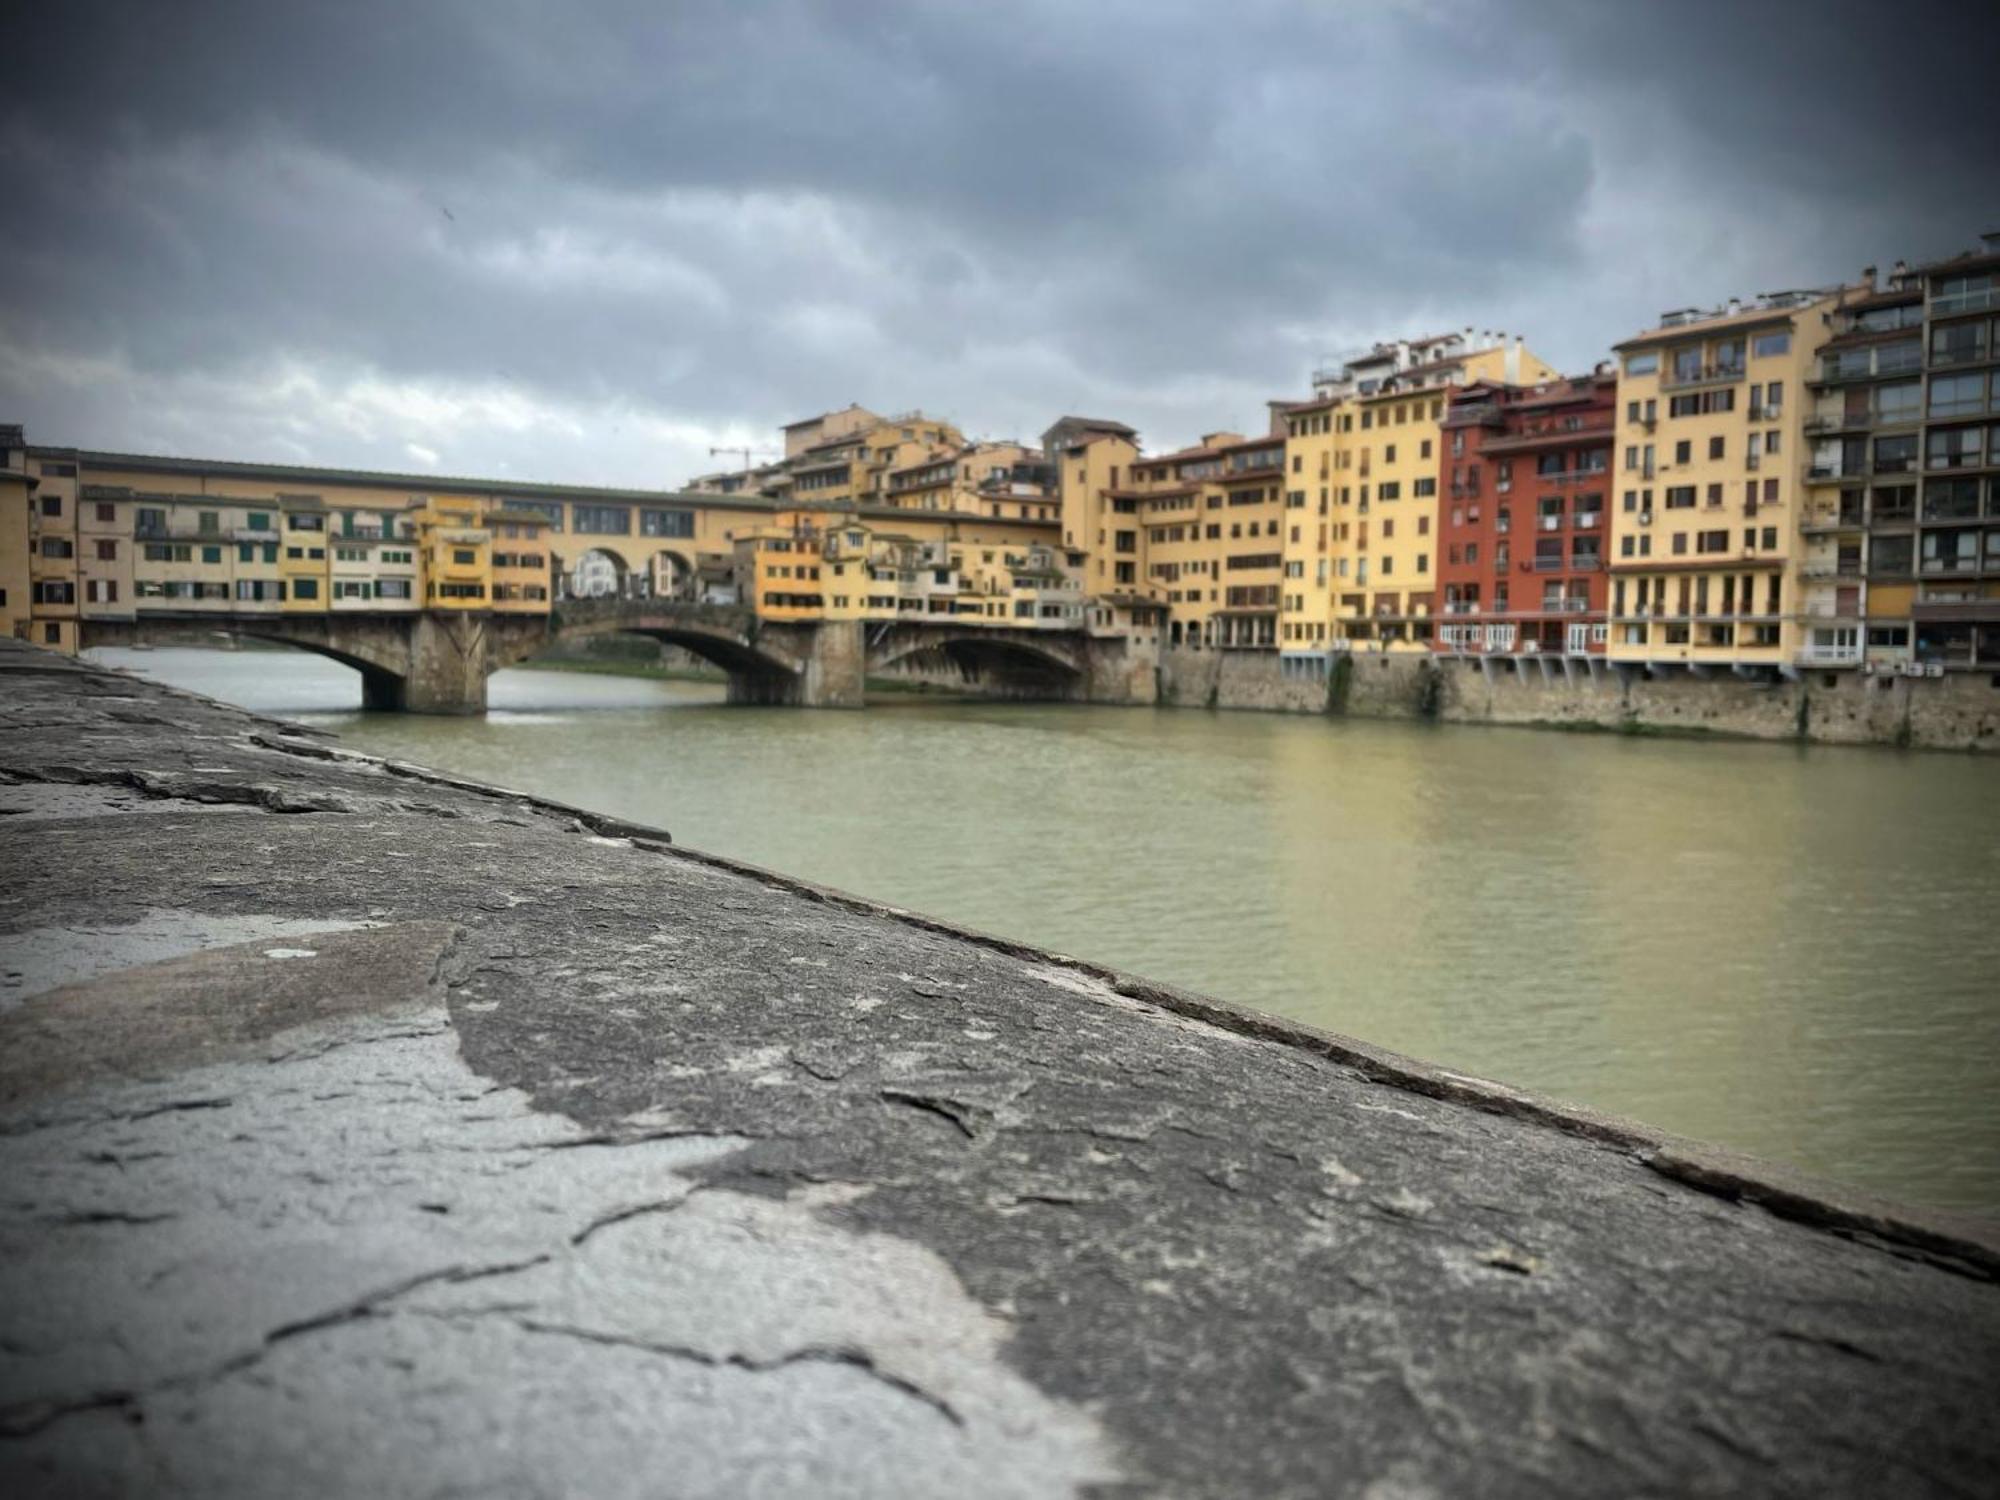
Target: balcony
point(1677, 380)
point(1830, 656)
point(1589, 520)
point(1963, 302)
point(1971, 354)
point(1830, 520)
point(1553, 434)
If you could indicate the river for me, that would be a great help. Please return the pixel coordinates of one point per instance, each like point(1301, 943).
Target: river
point(1791, 950)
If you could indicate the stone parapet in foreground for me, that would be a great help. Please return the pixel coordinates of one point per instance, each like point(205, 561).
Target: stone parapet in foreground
point(366, 1131)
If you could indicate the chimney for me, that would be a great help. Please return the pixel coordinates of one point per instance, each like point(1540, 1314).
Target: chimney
point(1899, 270)
point(1735, 305)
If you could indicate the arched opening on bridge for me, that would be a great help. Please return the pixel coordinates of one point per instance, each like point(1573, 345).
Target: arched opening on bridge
point(670, 575)
point(381, 686)
point(597, 574)
point(1002, 668)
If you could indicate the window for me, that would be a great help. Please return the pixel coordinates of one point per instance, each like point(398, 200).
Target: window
point(1715, 446)
point(1683, 451)
point(676, 523)
point(55, 546)
point(1955, 394)
point(1680, 497)
point(211, 554)
point(1765, 345)
point(1642, 364)
point(604, 520)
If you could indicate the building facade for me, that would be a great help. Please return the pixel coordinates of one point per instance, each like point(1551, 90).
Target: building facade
point(1523, 525)
point(1707, 539)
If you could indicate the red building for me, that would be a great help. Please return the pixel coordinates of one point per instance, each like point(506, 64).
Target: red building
point(1522, 517)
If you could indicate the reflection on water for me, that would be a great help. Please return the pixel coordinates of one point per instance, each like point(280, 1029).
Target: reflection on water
point(1789, 950)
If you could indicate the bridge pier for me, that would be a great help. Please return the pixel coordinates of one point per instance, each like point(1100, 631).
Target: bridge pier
point(831, 673)
point(450, 656)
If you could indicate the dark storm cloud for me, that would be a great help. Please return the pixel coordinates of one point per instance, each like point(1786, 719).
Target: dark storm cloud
point(589, 241)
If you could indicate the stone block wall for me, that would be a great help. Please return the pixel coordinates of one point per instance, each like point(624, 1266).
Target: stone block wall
point(1956, 712)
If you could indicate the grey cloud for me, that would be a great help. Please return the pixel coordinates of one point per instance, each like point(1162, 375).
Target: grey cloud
point(651, 225)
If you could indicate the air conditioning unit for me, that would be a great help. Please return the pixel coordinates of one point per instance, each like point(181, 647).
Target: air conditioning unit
point(1645, 518)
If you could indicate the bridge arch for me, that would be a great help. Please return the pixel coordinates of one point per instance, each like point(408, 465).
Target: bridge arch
point(597, 573)
point(762, 665)
point(1012, 660)
point(670, 574)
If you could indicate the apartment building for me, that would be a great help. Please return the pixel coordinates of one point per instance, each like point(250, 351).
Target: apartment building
point(200, 554)
point(1956, 613)
point(1002, 480)
point(375, 561)
point(852, 463)
point(1364, 468)
point(17, 489)
point(779, 567)
point(1092, 467)
point(1706, 536)
point(53, 581)
point(106, 552)
point(1521, 535)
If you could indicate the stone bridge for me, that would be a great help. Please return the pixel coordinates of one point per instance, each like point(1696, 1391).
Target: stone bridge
point(433, 662)
point(417, 661)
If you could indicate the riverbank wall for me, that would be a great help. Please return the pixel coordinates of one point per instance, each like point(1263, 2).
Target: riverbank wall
point(340, 1095)
point(1960, 711)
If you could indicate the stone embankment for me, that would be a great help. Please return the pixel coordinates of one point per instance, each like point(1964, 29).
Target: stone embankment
point(364, 1131)
point(1960, 711)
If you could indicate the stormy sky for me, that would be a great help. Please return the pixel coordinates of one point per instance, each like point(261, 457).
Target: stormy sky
point(587, 242)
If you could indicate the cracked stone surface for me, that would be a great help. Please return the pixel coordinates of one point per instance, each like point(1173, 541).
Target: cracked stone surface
point(366, 1131)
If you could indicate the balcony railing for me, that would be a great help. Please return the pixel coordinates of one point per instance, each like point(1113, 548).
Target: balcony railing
point(1830, 656)
point(1961, 302)
point(1675, 380)
point(1973, 354)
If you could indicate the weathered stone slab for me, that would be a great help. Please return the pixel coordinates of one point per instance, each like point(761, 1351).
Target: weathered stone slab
point(367, 1131)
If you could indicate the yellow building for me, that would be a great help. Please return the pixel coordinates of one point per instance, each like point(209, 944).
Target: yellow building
point(1091, 466)
point(455, 554)
point(52, 552)
point(779, 566)
point(854, 461)
point(1364, 465)
point(106, 551)
point(521, 567)
point(304, 566)
point(17, 488)
point(1318, 536)
point(1707, 535)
